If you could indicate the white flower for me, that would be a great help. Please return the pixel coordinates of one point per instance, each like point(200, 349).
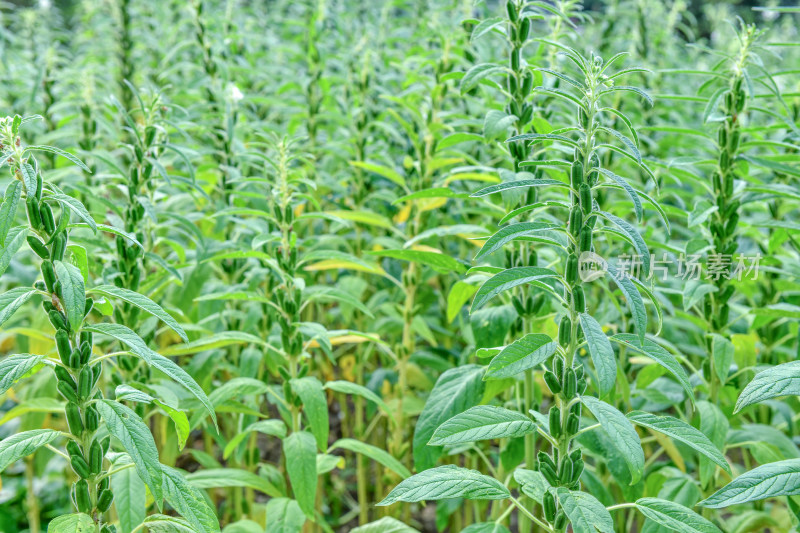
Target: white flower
point(234, 94)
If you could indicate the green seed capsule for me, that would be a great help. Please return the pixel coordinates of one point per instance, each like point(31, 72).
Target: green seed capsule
point(527, 85)
point(524, 29)
point(552, 382)
point(92, 419)
point(549, 504)
point(86, 337)
point(95, 457)
point(561, 521)
point(723, 137)
point(564, 331)
point(549, 474)
point(555, 422)
point(576, 407)
point(570, 384)
point(57, 319)
point(575, 220)
point(79, 466)
point(576, 174)
point(573, 424)
point(577, 470)
point(581, 385)
point(104, 501)
point(74, 419)
point(576, 455)
point(106, 444)
point(724, 159)
point(62, 374)
point(74, 449)
point(579, 299)
point(558, 367)
point(85, 383)
point(48, 221)
point(585, 241)
point(59, 247)
point(82, 500)
point(104, 484)
point(586, 198)
point(38, 247)
point(545, 459)
point(572, 269)
point(67, 391)
point(49, 275)
point(63, 345)
point(87, 307)
point(511, 9)
point(34, 215)
point(39, 187)
point(515, 59)
point(565, 471)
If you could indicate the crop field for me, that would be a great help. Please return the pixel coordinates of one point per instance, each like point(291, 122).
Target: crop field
point(399, 266)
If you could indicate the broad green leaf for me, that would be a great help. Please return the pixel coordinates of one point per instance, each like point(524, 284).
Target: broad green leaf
point(532, 483)
point(188, 501)
point(126, 426)
point(301, 463)
point(523, 354)
point(13, 299)
point(142, 302)
point(622, 433)
point(599, 348)
point(315, 407)
point(213, 478)
point(444, 482)
point(658, 354)
point(674, 516)
point(154, 359)
point(460, 293)
point(160, 523)
point(130, 499)
point(484, 27)
point(374, 453)
point(586, 514)
point(455, 391)
point(508, 279)
point(74, 296)
point(284, 516)
point(15, 367)
point(387, 524)
point(348, 387)
point(780, 380)
point(682, 432)
point(722, 353)
point(29, 179)
point(510, 233)
point(441, 263)
point(72, 523)
point(23, 444)
point(15, 239)
point(766, 481)
point(482, 422)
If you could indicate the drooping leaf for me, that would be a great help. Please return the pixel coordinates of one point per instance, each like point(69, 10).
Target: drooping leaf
point(15, 367)
point(130, 494)
point(188, 501)
point(622, 433)
point(142, 302)
point(601, 352)
point(658, 354)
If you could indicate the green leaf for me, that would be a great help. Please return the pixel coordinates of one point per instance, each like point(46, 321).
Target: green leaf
point(129, 494)
point(510, 233)
point(8, 209)
point(188, 501)
point(154, 359)
point(482, 422)
point(586, 514)
point(722, 353)
point(682, 432)
point(284, 516)
point(485, 527)
point(383, 171)
point(16, 238)
point(16, 367)
point(477, 73)
point(531, 483)
point(632, 194)
point(59, 151)
point(387, 524)
point(441, 263)
point(215, 478)
point(445, 482)
point(622, 433)
point(659, 355)
point(142, 302)
point(766, 481)
point(72, 523)
point(674, 516)
point(12, 300)
point(484, 27)
point(29, 179)
point(301, 463)
point(74, 296)
point(276, 428)
point(126, 426)
point(508, 279)
point(517, 184)
point(780, 380)
point(348, 387)
point(315, 407)
point(603, 358)
point(159, 523)
point(374, 453)
point(635, 237)
point(523, 354)
point(23, 444)
point(457, 138)
point(68, 202)
point(455, 391)
point(460, 293)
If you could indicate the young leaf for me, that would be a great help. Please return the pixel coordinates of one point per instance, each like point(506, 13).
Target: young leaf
point(523, 354)
point(622, 433)
point(599, 347)
point(444, 482)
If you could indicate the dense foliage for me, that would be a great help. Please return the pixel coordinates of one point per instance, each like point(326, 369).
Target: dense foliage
point(304, 266)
